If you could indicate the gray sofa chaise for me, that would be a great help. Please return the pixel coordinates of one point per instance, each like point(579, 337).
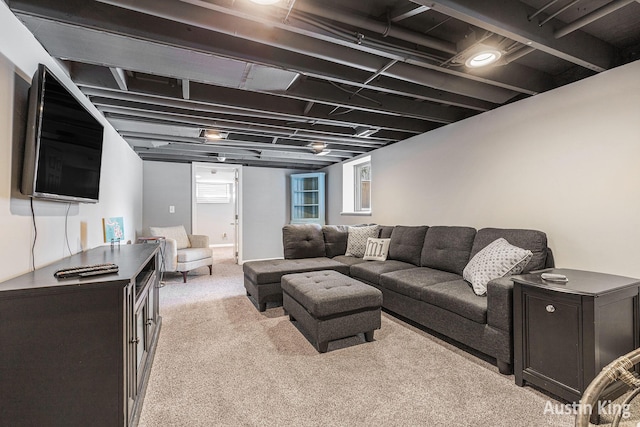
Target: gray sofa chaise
point(421, 279)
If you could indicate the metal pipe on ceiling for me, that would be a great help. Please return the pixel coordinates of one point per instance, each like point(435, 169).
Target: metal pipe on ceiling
point(386, 29)
point(429, 74)
point(590, 17)
point(533, 15)
point(550, 17)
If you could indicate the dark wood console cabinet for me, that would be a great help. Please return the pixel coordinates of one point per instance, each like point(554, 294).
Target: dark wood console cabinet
point(565, 333)
point(78, 352)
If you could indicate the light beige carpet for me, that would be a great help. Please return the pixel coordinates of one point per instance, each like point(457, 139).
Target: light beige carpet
point(220, 362)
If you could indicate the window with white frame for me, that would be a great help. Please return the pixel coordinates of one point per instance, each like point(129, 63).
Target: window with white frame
point(356, 186)
point(212, 192)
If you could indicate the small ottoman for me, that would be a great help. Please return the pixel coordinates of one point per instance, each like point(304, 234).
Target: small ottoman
point(329, 305)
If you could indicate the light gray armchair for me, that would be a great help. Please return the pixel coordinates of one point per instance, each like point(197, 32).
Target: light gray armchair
point(183, 252)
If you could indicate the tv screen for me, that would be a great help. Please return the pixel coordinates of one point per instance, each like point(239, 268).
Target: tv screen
point(63, 147)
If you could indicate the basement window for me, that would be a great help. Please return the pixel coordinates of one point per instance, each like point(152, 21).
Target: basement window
point(209, 192)
point(356, 187)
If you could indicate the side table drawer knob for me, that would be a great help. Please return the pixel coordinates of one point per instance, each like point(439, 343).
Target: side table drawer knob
point(551, 308)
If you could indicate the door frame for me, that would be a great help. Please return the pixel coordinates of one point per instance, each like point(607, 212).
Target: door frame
point(237, 191)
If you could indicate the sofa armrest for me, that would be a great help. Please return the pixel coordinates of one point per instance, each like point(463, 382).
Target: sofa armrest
point(198, 240)
point(500, 303)
point(170, 255)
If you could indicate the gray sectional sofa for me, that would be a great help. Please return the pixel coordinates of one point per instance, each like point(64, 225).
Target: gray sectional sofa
point(421, 280)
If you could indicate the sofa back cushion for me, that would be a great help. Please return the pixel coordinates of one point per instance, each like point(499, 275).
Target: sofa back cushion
point(533, 240)
point(303, 241)
point(447, 248)
point(335, 239)
point(384, 231)
point(406, 243)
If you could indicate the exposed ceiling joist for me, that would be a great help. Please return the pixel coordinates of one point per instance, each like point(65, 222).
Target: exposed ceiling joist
point(274, 79)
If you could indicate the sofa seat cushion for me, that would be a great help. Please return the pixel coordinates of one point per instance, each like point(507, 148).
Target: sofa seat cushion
point(457, 297)
point(447, 248)
point(370, 271)
point(411, 281)
point(348, 260)
point(271, 271)
point(194, 254)
point(406, 243)
point(326, 293)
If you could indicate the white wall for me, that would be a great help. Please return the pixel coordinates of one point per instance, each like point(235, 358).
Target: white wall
point(166, 184)
point(120, 182)
point(265, 209)
point(566, 162)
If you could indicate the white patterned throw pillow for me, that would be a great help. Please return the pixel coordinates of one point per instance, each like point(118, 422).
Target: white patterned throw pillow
point(498, 259)
point(376, 249)
point(357, 240)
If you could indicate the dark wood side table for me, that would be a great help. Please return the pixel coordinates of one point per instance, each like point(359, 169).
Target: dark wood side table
point(565, 333)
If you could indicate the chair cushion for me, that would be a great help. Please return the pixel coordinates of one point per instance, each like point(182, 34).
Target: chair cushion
point(327, 293)
point(406, 243)
point(447, 248)
point(457, 297)
point(178, 233)
point(411, 281)
point(303, 241)
point(271, 271)
point(194, 254)
point(370, 271)
point(533, 240)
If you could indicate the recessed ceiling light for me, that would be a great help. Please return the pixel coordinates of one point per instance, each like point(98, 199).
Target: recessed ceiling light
point(266, 2)
point(213, 135)
point(483, 58)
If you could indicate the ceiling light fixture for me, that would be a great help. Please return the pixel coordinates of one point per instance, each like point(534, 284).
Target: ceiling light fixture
point(319, 148)
point(364, 132)
point(483, 58)
point(213, 135)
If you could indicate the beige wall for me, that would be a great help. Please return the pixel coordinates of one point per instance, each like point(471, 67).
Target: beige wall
point(120, 182)
point(566, 162)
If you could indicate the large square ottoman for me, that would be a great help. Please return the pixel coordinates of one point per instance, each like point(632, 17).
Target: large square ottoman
point(262, 278)
point(329, 305)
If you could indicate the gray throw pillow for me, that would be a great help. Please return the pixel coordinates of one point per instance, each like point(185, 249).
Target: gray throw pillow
point(357, 240)
point(498, 259)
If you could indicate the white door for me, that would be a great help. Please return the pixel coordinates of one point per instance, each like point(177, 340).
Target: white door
point(215, 206)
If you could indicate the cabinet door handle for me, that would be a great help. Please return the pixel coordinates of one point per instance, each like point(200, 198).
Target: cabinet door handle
point(135, 340)
point(149, 321)
point(551, 308)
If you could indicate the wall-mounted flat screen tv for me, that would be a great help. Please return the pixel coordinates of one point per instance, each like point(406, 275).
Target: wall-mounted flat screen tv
point(63, 146)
